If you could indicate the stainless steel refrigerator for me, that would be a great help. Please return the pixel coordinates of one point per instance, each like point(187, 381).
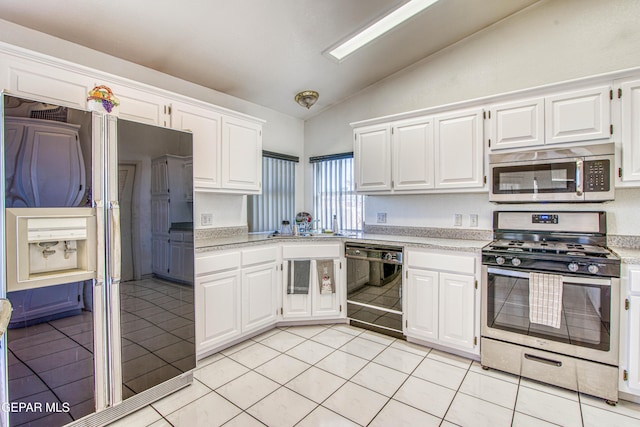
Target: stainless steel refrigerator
point(97, 228)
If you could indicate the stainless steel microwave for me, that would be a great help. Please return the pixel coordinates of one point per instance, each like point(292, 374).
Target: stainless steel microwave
point(579, 174)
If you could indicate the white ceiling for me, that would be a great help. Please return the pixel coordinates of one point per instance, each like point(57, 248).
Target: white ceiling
point(258, 50)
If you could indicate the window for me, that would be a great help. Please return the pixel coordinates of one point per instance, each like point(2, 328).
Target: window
point(277, 201)
point(334, 186)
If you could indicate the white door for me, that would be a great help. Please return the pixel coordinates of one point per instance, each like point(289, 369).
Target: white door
point(459, 150)
point(296, 303)
point(140, 106)
point(219, 316)
point(160, 255)
point(176, 270)
point(422, 304)
point(413, 154)
point(326, 304)
point(241, 156)
point(160, 217)
point(630, 109)
point(53, 84)
point(160, 177)
point(578, 116)
point(13, 135)
point(632, 336)
point(633, 363)
point(372, 155)
point(259, 296)
point(52, 170)
point(457, 314)
point(206, 128)
point(517, 124)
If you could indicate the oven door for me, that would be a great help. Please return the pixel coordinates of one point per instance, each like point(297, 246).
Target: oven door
point(547, 180)
point(589, 318)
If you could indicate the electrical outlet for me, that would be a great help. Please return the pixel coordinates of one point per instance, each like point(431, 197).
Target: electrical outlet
point(206, 219)
point(382, 217)
point(473, 220)
point(457, 220)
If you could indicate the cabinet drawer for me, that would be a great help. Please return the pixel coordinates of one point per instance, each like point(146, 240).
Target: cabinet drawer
point(214, 263)
point(260, 255)
point(464, 264)
point(312, 251)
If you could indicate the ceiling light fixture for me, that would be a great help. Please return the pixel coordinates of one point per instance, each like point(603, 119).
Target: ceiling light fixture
point(307, 98)
point(378, 28)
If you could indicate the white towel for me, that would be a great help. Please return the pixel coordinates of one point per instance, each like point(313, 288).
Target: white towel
point(545, 299)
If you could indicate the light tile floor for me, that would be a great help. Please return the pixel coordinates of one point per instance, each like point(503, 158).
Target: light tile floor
point(344, 376)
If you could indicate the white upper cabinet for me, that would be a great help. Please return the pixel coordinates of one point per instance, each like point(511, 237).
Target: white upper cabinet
point(372, 155)
point(629, 104)
point(139, 105)
point(44, 82)
point(241, 155)
point(421, 154)
point(459, 155)
point(227, 154)
point(517, 124)
point(578, 116)
point(206, 127)
point(412, 143)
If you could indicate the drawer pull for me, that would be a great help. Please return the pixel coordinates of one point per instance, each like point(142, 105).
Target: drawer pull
point(542, 360)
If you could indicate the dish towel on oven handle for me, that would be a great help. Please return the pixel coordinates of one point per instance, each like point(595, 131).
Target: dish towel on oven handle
point(545, 299)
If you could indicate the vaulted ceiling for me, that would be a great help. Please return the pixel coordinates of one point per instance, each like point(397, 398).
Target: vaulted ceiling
point(261, 51)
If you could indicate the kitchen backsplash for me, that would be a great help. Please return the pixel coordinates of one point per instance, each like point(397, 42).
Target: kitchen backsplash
point(618, 241)
point(438, 233)
point(438, 211)
point(220, 232)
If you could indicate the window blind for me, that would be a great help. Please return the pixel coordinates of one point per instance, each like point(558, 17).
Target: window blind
point(334, 184)
point(277, 201)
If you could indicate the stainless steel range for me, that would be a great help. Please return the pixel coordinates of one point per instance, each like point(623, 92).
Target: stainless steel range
point(550, 300)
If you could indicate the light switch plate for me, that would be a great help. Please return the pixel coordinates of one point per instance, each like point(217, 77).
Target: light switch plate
point(473, 220)
point(382, 217)
point(457, 220)
point(206, 219)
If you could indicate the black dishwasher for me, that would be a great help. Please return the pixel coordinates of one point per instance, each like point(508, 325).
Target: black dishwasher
point(374, 287)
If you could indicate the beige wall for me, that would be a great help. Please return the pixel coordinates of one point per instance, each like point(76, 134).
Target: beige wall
point(551, 41)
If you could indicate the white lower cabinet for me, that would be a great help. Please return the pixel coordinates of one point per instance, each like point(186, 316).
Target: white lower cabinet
point(259, 296)
point(236, 293)
point(217, 309)
point(442, 299)
point(630, 330)
point(305, 268)
point(181, 256)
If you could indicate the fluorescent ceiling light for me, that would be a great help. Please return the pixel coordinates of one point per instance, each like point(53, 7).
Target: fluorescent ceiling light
point(378, 28)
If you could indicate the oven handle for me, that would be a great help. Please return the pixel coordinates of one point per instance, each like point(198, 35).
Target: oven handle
point(543, 360)
point(565, 279)
point(579, 177)
point(380, 260)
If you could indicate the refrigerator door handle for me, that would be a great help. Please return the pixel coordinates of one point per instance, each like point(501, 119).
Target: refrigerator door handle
point(98, 205)
point(115, 270)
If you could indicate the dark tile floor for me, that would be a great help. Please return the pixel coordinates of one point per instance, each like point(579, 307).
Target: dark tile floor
point(53, 361)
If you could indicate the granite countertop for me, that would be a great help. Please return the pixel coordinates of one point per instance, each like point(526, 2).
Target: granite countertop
point(457, 244)
point(627, 255)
